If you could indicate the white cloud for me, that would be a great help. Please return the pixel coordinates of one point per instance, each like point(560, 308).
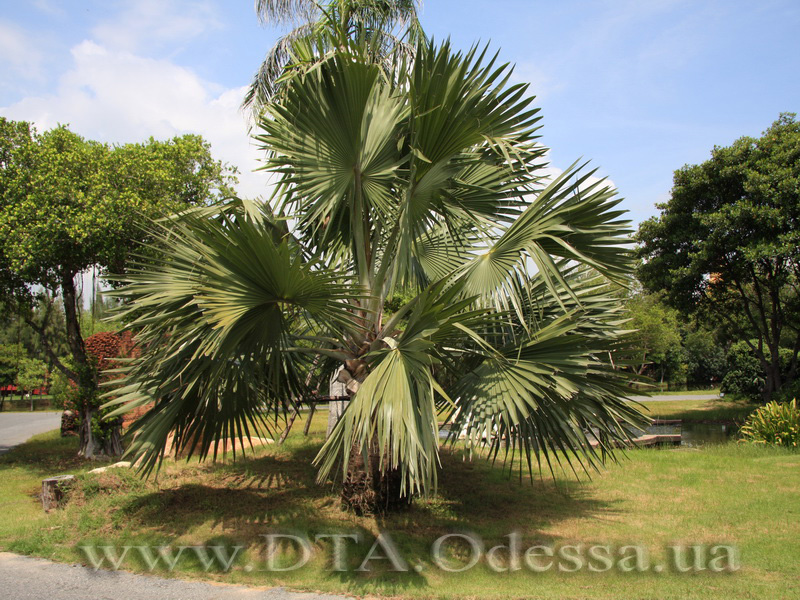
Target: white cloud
point(552, 172)
point(116, 96)
point(541, 82)
point(22, 58)
point(145, 24)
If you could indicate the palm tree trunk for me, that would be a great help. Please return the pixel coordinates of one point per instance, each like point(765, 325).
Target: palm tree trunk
point(369, 489)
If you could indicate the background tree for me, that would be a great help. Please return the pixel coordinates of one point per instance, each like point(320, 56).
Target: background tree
point(705, 356)
point(657, 340)
point(726, 246)
point(744, 377)
point(47, 316)
point(11, 355)
point(32, 375)
point(67, 204)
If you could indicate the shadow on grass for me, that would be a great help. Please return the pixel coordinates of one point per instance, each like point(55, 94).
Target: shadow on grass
point(46, 454)
point(277, 493)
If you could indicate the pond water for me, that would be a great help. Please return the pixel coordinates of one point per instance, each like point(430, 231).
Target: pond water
point(700, 434)
point(695, 434)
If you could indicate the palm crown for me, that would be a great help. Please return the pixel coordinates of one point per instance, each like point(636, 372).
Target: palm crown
point(388, 28)
point(426, 177)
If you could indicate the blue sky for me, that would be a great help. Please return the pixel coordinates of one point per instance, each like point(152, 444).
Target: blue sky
point(639, 88)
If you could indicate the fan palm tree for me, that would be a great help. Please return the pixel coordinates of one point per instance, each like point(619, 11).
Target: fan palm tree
point(390, 26)
point(427, 179)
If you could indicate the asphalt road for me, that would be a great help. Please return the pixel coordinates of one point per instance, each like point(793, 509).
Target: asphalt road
point(18, 427)
point(25, 578)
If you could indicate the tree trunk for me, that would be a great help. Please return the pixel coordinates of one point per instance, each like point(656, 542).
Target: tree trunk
point(773, 381)
point(286, 431)
point(368, 489)
point(88, 446)
point(311, 412)
point(74, 338)
point(108, 444)
point(53, 490)
point(112, 443)
point(91, 445)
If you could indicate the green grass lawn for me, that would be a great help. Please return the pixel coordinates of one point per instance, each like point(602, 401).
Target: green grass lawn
point(17, 404)
point(699, 410)
point(733, 494)
point(656, 391)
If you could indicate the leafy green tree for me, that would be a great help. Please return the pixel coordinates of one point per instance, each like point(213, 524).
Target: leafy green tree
point(67, 204)
point(657, 337)
point(745, 377)
point(705, 357)
point(11, 355)
point(32, 375)
point(388, 29)
point(427, 181)
point(725, 246)
point(47, 316)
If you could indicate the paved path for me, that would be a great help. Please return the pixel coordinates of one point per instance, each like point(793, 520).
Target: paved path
point(25, 578)
point(18, 427)
point(657, 398)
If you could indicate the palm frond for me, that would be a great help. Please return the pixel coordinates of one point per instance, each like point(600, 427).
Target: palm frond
point(336, 148)
point(552, 398)
point(395, 406)
point(387, 29)
point(229, 317)
point(278, 12)
point(265, 81)
point(570, 220)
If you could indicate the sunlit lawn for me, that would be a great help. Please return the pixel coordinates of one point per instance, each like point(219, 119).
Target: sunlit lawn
point(700, 410)
point(731, 494)
point(656, 391)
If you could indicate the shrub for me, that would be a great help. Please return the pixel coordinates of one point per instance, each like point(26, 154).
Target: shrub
point(745, 377)
point(705, 359)
point(788, 391)
point(774, 423)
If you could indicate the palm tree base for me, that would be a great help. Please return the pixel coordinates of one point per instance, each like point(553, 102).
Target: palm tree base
point(368, 489)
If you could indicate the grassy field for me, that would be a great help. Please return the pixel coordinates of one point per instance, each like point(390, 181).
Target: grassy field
point(656, 391)
point(17, 404)
point(700, 410)
point(739, 495)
